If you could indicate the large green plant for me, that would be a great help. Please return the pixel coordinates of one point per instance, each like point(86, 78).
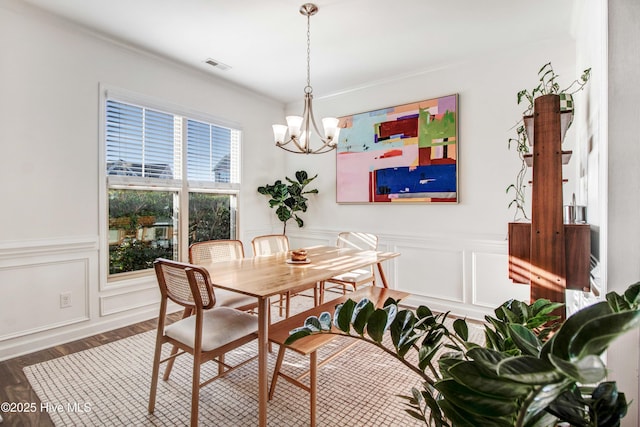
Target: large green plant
point(288, 199)
point(529, 372)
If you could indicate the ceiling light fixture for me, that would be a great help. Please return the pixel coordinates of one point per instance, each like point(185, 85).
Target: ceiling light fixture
point(300, 127)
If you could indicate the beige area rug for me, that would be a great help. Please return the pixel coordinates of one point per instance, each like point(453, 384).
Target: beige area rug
point(109, 386)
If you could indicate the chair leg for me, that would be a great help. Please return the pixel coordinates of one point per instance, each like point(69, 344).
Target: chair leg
point(155, 373)
point(276, 371)
point(167, 370)
point(186, 313)
point(221, 364)
point(288, 308)
point(195, 389)
point(315, 296)
point(322, 292)
point(313, 389)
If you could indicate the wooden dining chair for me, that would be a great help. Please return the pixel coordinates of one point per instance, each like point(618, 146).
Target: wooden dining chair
point(207, 335)
point(355, 278)
point(222, 250)
point(271, 244)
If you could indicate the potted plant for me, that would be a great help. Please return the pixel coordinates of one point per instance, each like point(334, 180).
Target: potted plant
point(548, 84)
point(530, 371)
point(289, 199)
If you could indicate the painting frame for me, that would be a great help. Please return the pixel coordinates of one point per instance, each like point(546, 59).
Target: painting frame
point(405, 154)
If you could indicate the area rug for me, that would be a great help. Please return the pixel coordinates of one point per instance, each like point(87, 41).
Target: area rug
point(109, 386)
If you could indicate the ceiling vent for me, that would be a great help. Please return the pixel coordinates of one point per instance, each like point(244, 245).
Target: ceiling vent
point(217, 64)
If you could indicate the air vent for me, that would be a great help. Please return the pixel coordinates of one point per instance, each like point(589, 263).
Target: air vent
point(217, 64)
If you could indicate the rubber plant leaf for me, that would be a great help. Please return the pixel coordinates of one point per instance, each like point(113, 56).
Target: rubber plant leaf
point(325, 321)
point(296, 334)
point(567, 332)
point(361, 315)
point(526, 341)
point(343, 314)
point(313, 324)
point(461, 328)
point(461, 418)
point(529, 370)
point(597, 334)
point(481, 379)
point(588, 370)
point(377, 324)
point(473, 402)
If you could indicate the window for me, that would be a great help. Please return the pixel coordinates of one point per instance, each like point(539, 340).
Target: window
point(160, 164)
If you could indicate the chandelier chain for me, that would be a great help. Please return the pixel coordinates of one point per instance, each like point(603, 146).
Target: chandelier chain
point(308, 89)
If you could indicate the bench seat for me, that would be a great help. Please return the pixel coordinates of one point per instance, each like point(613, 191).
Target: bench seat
point(279, 332)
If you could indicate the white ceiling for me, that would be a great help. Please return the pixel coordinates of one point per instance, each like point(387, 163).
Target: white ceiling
point(353, 42)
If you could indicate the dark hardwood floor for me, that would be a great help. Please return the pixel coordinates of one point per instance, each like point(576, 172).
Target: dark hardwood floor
point(15, 389)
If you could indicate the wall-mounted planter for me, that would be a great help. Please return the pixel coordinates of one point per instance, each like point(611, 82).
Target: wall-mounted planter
point(566, 157)
point(566, 118)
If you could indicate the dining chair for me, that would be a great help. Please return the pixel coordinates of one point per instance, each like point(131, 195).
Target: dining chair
point(222, 250)
point(207, 335)
point(355, 278)
point(271, 244)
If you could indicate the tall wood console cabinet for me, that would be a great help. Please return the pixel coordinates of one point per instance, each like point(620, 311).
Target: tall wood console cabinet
point(546, 253)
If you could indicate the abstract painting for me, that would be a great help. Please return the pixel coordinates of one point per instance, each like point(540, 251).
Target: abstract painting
point(402, 154)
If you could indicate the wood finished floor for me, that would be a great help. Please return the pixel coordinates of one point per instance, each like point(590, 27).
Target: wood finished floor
point(14, 387)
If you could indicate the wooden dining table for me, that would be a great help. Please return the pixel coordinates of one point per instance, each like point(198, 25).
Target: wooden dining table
point(264, 277)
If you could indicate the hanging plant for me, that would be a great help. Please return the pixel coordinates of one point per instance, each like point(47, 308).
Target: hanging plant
point(548, 85)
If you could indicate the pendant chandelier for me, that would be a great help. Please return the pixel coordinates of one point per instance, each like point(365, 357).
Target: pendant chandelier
point(300, 127)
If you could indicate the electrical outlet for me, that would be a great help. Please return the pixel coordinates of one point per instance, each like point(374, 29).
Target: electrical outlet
point(65, 299)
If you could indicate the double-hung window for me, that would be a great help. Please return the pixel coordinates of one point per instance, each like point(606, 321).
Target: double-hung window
point(172, 180)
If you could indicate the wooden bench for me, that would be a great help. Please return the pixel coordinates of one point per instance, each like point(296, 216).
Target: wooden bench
point(279, 332)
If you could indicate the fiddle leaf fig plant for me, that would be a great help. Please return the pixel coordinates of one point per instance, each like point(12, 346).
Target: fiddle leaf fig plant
point(531, 370)
point(289, 199)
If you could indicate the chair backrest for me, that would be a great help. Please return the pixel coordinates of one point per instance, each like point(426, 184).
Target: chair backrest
point(270, 244)
point(184, 284)
point(363, 241)
point(215, 250)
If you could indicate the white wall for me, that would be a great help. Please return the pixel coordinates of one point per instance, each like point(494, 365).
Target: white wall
point(454, 257)
point(623, 186)
point(50, 72)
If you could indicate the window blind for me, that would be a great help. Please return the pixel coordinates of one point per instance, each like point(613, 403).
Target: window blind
point(212, 153)
point(140, 142)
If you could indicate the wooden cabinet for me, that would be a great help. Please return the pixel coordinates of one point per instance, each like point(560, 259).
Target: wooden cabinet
point(546, 253)
point(576, 248)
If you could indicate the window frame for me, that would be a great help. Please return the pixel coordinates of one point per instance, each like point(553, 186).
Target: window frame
point(182, 185)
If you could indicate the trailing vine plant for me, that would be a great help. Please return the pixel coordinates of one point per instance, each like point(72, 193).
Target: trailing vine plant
point(547, 84)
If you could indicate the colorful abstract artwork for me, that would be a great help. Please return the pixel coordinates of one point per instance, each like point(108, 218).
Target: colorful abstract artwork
point(402, 154)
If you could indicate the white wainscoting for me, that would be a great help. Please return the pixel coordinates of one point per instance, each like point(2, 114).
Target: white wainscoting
point(33, 275)
point(467, 276)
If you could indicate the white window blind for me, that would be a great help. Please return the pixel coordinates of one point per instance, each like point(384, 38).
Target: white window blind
point(146, 143)
point(212, 153)
point(140, 142)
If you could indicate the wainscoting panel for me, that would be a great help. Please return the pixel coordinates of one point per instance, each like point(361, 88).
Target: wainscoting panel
point(37, 289)
point(34, 276)
point(130, 300)
point(433, 272)
point(491, 284)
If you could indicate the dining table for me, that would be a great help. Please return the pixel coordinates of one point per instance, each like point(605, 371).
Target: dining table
point(268, 276)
